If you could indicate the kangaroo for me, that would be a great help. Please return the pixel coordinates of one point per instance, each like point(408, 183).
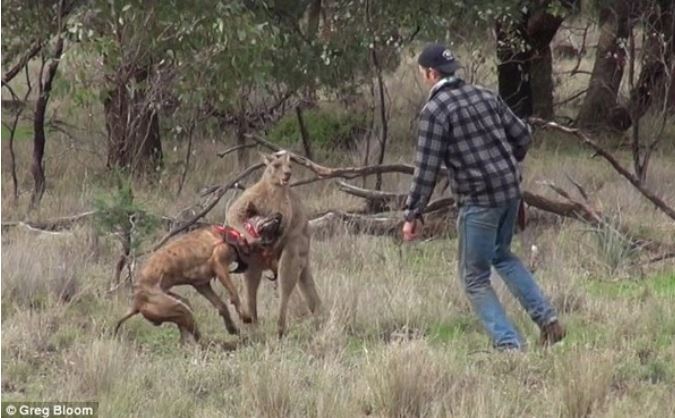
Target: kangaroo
point(272, 193)
point(195, 259)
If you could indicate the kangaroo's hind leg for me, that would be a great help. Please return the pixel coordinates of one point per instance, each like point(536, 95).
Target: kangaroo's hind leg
point(290, 267)
point(308, 290)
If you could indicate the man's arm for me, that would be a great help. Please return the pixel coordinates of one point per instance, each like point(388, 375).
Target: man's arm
point(430, 153)
point(517, 131)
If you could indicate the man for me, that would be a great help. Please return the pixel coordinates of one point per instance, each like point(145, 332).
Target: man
point(481, 142)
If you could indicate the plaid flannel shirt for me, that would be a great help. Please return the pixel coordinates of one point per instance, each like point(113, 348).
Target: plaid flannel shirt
point(477, 137)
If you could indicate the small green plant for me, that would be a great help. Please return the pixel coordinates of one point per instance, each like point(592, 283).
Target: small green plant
point(327, 129)
point(613, 248)
point(120, 215)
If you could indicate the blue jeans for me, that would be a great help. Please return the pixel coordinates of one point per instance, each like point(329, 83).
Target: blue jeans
point(485, 235)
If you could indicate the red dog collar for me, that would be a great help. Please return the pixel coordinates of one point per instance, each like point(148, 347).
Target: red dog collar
point(230, 235)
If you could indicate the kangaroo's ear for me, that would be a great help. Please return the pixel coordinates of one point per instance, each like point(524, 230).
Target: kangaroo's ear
point(266, 159)
point(251, 210)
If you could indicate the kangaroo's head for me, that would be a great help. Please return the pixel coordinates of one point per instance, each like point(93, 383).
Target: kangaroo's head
point(278, 169)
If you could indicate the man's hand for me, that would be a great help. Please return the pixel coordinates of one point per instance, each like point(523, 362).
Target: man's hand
point(411, 230)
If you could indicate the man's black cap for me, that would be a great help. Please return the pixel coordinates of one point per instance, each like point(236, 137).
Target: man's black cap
point(438, 57)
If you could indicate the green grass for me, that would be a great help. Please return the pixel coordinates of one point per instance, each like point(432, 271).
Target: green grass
point(661, 285)
point(453, 330)
point(23, 132)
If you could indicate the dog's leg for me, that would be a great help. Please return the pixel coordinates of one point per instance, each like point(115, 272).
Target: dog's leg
point(162, 307)
point(223, 256)
point(207, 291)
point(179, 297)
point(252, 281)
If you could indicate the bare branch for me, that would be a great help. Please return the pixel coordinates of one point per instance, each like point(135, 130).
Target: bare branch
point(324, 172)
point(12, 133)
point(186, 164)
point(579, 187)
point(572, 97)
point(52, 225)
point(393, 200)
point(657, 201)
point(27, 56)
point(218, 195)
point(234, 149)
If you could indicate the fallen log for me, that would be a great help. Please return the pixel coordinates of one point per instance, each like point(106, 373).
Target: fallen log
point(436, 223)
point(324, 172)
point(567, 209)
point(52, 225)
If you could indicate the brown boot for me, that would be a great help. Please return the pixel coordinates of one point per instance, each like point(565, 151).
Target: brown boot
point(551, 333)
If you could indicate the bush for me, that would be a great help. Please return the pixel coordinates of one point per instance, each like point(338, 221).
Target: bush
point(118, 213)
point(328, 129)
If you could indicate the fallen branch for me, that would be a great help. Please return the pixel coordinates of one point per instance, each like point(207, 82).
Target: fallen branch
point(219, 193)
point(436, 222)
point(375, 198)
point(235, 148)
point(40, 230)
point(657, 201)
point(51, 225)
point(569, 209)
point(324, 172)
point(394, 201)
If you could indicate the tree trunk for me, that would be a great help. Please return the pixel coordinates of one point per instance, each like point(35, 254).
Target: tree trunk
point(242, 152)
point(600, 100)
point(39, 139)
point(134, 141)
point(383, 116)
point(513, 70)
point(525, 60)
point(541, 83)
point(541, 28)
point(651, 84)
point(313, 16)
point(304, 135)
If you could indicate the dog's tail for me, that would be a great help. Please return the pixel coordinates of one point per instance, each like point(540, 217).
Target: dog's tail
point(132, 312)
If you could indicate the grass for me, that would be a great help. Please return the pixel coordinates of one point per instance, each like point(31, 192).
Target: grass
point(398, 338)
point(23, 133)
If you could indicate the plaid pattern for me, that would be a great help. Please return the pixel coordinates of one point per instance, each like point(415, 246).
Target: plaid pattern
point(475, 135)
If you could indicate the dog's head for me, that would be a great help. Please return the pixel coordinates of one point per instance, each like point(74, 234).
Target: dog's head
point(265, 229)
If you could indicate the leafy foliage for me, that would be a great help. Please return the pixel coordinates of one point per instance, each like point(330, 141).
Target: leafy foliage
point(120, 214)
point(27, 22)
point(326, 128)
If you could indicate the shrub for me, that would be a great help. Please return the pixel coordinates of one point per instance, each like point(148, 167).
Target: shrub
point(327, 128)
point(119, 214)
